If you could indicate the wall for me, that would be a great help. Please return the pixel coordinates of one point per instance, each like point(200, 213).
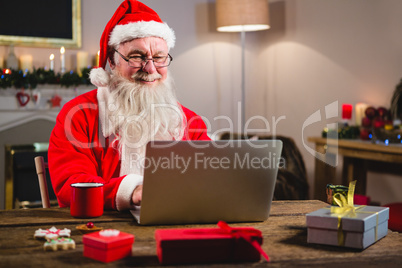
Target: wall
point(318, 52)
point(315, 53)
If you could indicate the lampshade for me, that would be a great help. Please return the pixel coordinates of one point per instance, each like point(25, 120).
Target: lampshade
point(242, 15)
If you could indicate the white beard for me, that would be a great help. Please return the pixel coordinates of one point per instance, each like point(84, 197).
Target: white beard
point(142, 113)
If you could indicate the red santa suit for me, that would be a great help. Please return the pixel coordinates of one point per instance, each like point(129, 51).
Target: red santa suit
point(81, 145)
point(80, 152)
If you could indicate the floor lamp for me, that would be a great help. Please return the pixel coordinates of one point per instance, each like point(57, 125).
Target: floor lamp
point(242, 16)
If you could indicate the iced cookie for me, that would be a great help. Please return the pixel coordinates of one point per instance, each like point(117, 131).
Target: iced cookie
point(52, 233)
point(59, 243)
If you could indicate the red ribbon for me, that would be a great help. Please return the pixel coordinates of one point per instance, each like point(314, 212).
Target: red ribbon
point(238, 233)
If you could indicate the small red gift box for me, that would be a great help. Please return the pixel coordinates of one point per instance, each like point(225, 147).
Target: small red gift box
point(207, 245)
point(107, 245)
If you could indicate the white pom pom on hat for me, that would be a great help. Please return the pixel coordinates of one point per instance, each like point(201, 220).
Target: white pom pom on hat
point(99, 77)
point(131, 20)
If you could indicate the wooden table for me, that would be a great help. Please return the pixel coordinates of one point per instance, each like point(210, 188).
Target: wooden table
point(284, 233)
point(358, 158)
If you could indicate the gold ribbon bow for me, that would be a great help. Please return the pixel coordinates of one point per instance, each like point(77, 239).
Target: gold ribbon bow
point(347, 208)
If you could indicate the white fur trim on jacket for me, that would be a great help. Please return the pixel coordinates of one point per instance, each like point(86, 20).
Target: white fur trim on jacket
point(130, 31)
point(125, 191)
point(99, 77)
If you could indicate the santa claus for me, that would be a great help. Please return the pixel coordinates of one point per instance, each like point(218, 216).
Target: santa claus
point(101, 136)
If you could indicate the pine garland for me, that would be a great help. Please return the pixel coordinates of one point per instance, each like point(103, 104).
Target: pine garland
point(30, 80)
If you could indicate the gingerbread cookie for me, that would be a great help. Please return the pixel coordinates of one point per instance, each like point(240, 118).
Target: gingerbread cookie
point(59, 243)
point(88, 228)
point(52, 233)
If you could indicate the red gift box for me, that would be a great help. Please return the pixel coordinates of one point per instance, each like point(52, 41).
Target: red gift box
point(107, 245)
point(207, 245)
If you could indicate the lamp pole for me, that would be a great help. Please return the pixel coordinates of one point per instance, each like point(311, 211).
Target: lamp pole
point(243, 81)
point(241, 16)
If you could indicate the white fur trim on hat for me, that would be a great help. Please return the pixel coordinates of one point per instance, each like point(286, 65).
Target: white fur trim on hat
point(99, 77)
point(141, 29)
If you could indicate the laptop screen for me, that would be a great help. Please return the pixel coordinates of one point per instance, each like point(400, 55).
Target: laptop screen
point(208, 181)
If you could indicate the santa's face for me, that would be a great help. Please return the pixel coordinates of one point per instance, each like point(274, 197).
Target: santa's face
point(149, 47)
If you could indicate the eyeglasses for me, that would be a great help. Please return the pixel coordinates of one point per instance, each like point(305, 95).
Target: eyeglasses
point(141, 61)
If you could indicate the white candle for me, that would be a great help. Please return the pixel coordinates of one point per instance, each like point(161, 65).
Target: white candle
point(63, 59)
point(26, 63)
point(51, 58)
point(360, 112)
point(82, 61)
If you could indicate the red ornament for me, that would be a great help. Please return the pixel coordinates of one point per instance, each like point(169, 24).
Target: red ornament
point(23, 98)
point(383, 112)
point(55, 101)
point(371, 112)
point(90, 225)
point(378, 122)
point(366, 122)
point(365, 134)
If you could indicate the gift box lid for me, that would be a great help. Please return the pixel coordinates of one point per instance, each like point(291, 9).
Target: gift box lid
point(108, 239)
point(365, 218)
point(201, 237)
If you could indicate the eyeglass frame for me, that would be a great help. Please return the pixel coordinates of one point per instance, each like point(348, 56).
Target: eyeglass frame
point(144, 60)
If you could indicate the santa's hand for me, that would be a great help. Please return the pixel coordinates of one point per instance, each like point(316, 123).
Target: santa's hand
point(137, 195)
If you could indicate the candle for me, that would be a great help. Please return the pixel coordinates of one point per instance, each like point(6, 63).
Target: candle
point(347, 111)
point(360, 109)
point(26, 63)
point(82, 61)
point(51, 58)
point(97, 59)
point(63, 59)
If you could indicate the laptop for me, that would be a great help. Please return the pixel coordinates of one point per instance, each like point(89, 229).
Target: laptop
point(190, 182)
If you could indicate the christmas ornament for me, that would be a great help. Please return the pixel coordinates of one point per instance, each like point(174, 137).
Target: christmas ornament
point(55, 101)
point(35, 95)
point(23, 98)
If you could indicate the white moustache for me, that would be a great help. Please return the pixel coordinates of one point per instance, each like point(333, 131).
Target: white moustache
point(143, 76)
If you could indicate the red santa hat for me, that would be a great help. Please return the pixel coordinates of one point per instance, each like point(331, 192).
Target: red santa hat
point(131, 20)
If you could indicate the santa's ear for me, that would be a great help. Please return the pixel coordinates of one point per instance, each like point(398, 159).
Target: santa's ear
point(111, 63)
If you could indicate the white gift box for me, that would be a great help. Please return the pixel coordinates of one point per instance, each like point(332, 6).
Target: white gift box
point(359, 230)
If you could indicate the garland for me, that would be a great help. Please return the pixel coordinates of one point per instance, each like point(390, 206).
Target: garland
point(30, 80)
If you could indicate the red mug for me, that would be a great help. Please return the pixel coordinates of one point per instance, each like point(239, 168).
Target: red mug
point(86, 200)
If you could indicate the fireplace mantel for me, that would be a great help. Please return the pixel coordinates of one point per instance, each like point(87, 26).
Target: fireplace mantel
point(12, 114)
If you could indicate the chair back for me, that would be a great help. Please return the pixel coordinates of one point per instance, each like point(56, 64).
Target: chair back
point(291, 182)
point(41, 171)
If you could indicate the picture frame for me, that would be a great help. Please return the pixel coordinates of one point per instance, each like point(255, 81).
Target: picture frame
point(41, 23)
